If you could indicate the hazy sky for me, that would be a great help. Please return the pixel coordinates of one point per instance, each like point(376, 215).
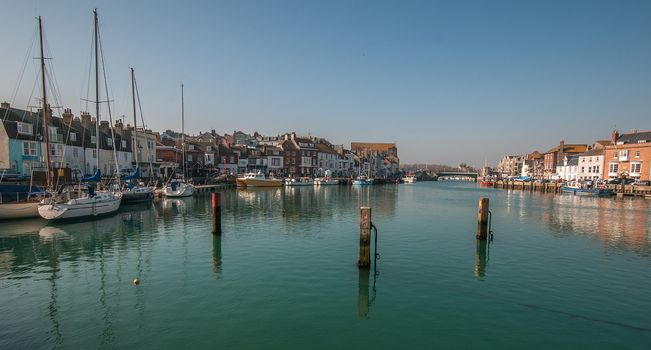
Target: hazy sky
point(449, 81)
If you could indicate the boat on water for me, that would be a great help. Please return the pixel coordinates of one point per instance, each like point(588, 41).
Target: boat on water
point(91, 203)
point(409, 179)
point(362, 180)
point(257, 180)
point(19, 201)
point(133, 191)
point(324, 181)
point(577, 190)
point(299, 181)
point(180, 187)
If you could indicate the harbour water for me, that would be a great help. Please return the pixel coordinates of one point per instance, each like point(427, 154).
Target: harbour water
point(562, 272)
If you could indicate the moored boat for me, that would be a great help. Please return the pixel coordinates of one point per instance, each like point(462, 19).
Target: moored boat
point(258, 180)
point(300, 181)
point(326, 181)
point(409, 179)
point(577, 190)
point(362, 180)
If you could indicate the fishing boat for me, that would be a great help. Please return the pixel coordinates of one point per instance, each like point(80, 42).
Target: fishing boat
point(576, 189)
point(134, 192)
point(299, 181)
point(257, 180)
point(180, 187)
point(90, 203)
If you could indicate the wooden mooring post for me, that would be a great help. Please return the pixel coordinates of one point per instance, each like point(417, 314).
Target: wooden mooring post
point(364, 237)
point(482, 218)
point(216, 213)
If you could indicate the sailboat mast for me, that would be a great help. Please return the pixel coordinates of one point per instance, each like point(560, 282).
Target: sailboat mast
point(135, 129)
point(183, 134)
point(97, 138)
point(46, 133)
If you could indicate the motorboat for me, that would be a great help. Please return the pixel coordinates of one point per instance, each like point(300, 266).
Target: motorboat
point(258, 180)
point(577, 189)
point(300, 181)
point(325, 181)
point(409, 179)
point(362, 180)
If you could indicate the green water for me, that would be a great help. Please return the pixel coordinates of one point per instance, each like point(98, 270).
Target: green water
point(563, 272)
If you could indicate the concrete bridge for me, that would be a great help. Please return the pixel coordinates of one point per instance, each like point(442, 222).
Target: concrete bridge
point(448, 174)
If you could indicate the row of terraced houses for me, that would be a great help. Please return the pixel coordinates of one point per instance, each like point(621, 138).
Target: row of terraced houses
point(73, 150)
point(624, 155)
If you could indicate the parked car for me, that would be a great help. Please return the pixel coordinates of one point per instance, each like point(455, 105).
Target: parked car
point(642, 183)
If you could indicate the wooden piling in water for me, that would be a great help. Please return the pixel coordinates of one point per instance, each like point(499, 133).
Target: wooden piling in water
point(482, 219)
point(364, 237)
point(216, 213)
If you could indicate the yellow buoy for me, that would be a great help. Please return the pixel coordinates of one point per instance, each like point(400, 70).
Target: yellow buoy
point(136, 281)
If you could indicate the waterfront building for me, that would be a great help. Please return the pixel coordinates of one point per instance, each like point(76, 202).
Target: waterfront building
point(591, 164)
point(555, 156)
point(382, 158)
point(168, 156)
point(328, 159)
point(510, 166)
point(568, 170)
point(533, 165)
point(275, 158)
point(628, 155)
point(20, 135)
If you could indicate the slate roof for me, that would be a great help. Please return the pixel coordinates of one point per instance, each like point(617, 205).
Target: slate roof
point(635, 137)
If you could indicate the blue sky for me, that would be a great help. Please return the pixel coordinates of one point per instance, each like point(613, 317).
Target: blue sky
point(449, 81)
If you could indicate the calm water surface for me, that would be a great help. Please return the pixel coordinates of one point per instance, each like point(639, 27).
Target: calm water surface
point(563, 272)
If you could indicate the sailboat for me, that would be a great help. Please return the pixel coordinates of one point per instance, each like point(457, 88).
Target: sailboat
point(21, 201)
point(92, 203)
point(133, 192)
point(179, 187)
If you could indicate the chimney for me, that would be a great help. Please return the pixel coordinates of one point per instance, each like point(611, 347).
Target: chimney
point(85, 120)
point(561, 145)
point(67, 116)
point(5, 105)
point(614, 136)
point(212, 132)
point(293, 135)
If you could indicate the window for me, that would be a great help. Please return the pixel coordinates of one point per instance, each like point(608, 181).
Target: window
point(93, 140)
point(29, 148)
point(75, 152)
point(613, 167)
point(635, 168)
point(124, 143)
point(582, 169)
point(73, 136)
point(596, 169)
point(637, 154)
point(94, 153)
point(109, 142)
point(56, 150)
point(24, 128)
point(275, 161)
point(52, 134)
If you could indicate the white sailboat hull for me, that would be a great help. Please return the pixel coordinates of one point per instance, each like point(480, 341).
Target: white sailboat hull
point(100, 204)
point(182, 190)
point(19, 210)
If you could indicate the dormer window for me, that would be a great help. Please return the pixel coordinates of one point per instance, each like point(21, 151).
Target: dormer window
point(73, 136)
point(24, 128)
point(109, 141)
point(641, 141)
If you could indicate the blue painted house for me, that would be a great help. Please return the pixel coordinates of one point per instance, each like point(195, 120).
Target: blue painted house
point(20, 140)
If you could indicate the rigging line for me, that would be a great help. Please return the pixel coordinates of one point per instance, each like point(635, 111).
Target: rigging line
point(108, 103)
point(53, 80)
point(90, 67)
point(22, 73)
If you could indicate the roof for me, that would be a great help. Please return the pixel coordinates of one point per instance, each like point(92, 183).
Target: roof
point(635, 137)
point(570, 148)
point(325, 148)
point(371, 147)
point(592, 152)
